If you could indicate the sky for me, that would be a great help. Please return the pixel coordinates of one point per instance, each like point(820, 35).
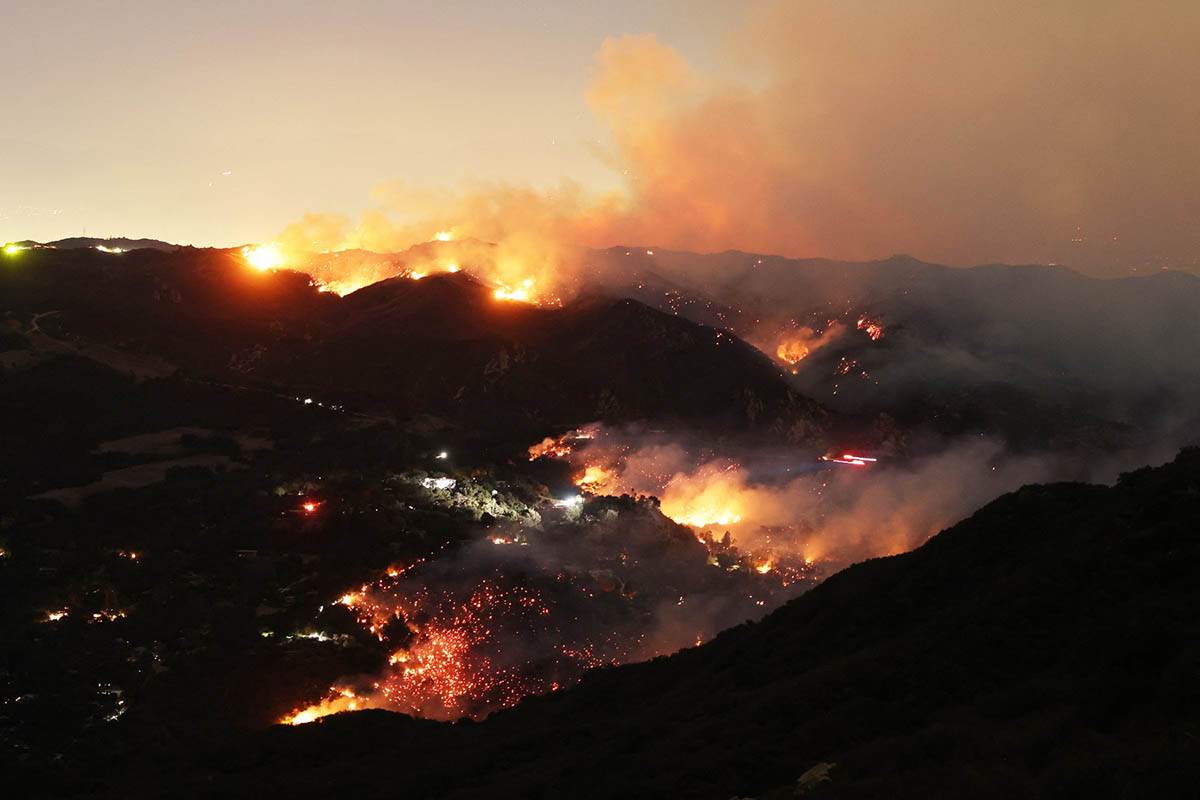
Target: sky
point(219, 122)
point(1058, 131)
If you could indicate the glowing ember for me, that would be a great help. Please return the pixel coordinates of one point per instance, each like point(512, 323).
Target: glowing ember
point(310, 506)
point(263, 257)
point(762, 568)
point(58, 615)
point(451, 662)
point(872, 327)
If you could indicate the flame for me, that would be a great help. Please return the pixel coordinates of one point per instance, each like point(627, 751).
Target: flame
point(596, 479)
point(705, 516)
point(713, 495)
point(444, 236)
point(792, 351)
point(523, 293)
point(339, 700)
point(794, 343)
point(448, 666)
point(263, 257)
point(872, 327)
point(310, 506)
point(562, 446)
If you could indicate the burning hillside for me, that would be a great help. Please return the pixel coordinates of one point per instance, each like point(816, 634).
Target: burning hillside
point(528, 609)
point(786, 505)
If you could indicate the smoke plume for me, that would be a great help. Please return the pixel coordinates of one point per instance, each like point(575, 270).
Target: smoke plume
point(961, 133)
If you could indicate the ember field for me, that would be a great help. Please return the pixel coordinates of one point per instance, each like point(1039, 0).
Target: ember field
point(234, 500)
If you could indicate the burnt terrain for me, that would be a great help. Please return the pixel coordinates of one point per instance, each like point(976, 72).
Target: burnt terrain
point(1045, 647)
point(197, 460)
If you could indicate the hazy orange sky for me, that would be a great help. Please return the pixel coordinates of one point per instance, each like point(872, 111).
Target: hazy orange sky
point(962, 132)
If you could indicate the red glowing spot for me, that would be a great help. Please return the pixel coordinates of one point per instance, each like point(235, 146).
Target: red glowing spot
point(853, 459)
point(310, 506)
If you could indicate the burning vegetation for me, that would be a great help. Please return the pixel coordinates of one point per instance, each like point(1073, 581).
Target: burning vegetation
point(530, 606)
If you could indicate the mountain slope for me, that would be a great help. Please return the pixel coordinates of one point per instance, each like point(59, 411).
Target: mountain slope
point(1045, 647)
point(1037, 354)
point(442, 345)
point(445, 343)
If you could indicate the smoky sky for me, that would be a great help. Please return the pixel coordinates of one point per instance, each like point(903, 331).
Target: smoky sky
point(961, 133)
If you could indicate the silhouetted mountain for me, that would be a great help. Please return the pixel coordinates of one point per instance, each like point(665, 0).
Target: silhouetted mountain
point(113, 242)
point(442, 345)
point(1045, 647)
point(1040, 354)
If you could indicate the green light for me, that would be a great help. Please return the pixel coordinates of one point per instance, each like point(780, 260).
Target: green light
point(13, 249)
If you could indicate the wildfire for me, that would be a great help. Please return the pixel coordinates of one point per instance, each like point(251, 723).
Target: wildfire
point(562, 446)
point(340, 699)
point(263, 257)
point(522, 293)
point(713, 495)
point(110, 250)
point(792, 351)
point(705, 517)
point(596, 479)
point(443, 236)
point(872, 327)
point(310, 506)
point(450, 664)
point(794, 343)
point(14, 249)
point(462, 646)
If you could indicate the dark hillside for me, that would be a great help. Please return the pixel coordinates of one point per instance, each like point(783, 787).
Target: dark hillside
point(1045, 647)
